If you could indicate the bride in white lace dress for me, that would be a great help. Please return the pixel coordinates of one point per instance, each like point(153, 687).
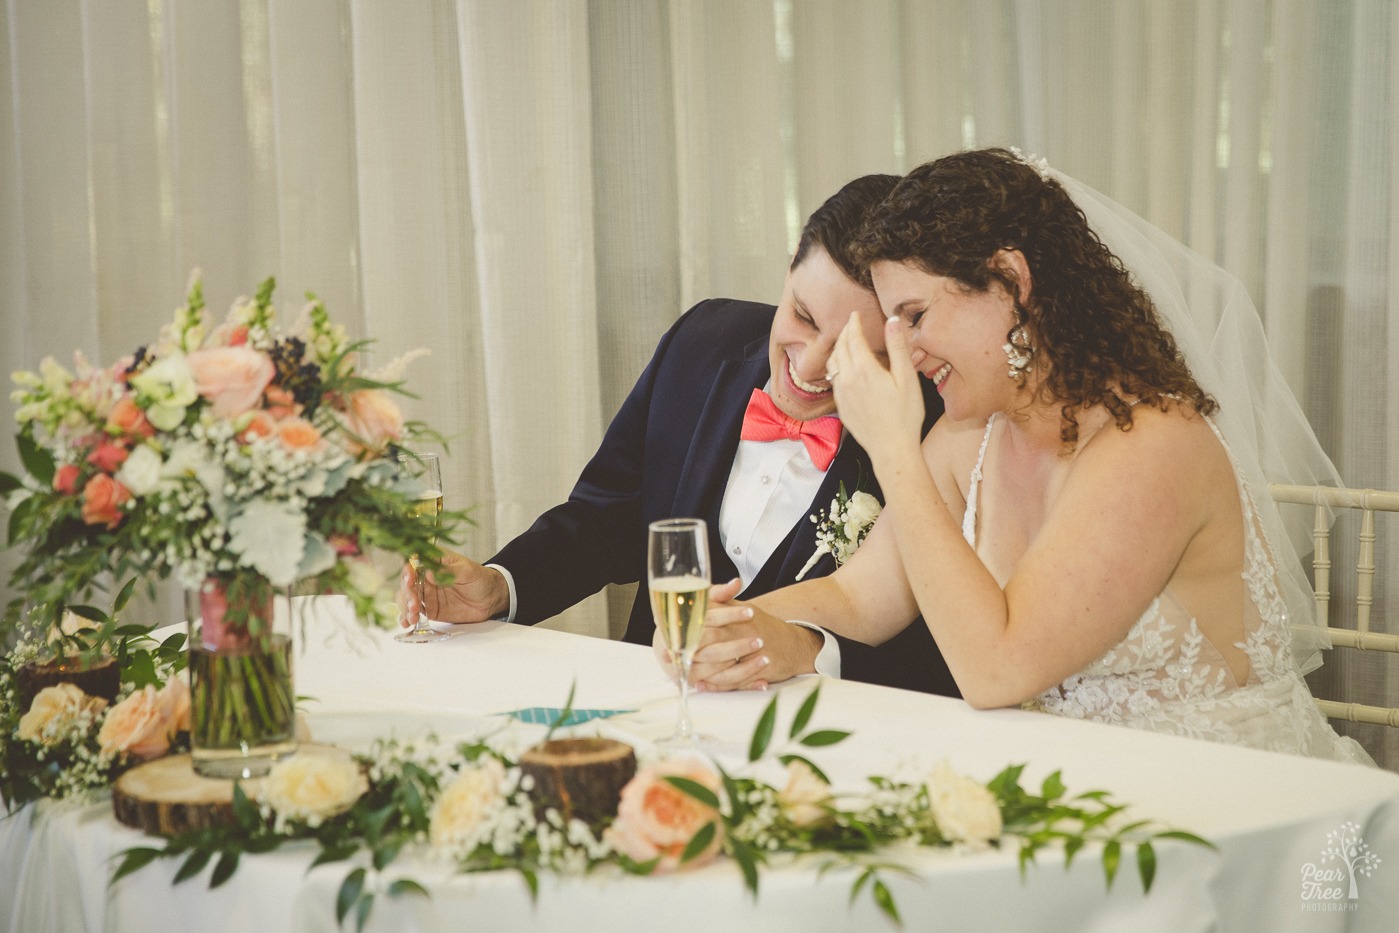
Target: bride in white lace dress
point(1087, 530)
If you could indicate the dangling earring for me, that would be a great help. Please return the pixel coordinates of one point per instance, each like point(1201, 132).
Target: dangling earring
point(1018, 352)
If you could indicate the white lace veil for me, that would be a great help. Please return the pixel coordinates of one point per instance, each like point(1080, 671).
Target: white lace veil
point(1217, 328)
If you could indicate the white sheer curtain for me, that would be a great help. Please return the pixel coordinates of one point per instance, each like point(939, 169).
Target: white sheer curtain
point(534, 189)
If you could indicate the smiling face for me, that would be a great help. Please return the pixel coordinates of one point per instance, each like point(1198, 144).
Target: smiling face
point(954, 336)
point(816, 303)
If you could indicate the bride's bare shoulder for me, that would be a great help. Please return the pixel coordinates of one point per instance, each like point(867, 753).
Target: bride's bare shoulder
point(951, 449)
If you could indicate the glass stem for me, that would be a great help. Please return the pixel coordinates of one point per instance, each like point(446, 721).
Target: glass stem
point(420, 585)
point(683, 728)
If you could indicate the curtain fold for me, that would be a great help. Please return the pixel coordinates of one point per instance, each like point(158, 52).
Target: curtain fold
point(534, 190)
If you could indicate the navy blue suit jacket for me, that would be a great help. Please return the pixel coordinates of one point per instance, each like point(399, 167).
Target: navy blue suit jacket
point(668, 453)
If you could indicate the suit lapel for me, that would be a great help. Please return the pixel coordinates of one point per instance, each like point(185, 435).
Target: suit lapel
point(714, 443)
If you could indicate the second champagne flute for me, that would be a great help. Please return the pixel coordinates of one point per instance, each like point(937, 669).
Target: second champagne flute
point(678, 578)
point(422, 473)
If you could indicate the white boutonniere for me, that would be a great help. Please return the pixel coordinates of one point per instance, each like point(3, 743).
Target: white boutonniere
point(840, 532)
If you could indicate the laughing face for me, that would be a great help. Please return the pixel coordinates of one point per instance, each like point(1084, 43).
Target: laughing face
point(954, 336)
point(816, 302)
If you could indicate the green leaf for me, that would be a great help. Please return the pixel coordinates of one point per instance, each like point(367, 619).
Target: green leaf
point(124, 596)
point(35, 458)
point(350, 890)
point(693, 789)
point(762, 733)
point(134, 860)
point(699, 841)
point(1072, 848)
point(824, 737)
point(1146, 865)
point(330, 854)
point(1053, 787)
point(1112, 857)
point(9, 483)
point(362, 909)
point(563, 714)
point(532, 883)
point(1184, 836)
point(885, 900)
point(747, 861)
point(804, 712)
point(860, 882)
point(386, 853)
point(243, 810)
point(193, 865)
point(91, 613)
point(227, 865)
point(788, 759)
point(407, 886)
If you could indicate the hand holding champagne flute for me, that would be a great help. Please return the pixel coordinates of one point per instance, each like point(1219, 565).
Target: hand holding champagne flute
point(678, 578)
point(422, 472)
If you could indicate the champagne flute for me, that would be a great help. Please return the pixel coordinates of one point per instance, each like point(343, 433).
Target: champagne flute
point(678, 578)
point(422, 475)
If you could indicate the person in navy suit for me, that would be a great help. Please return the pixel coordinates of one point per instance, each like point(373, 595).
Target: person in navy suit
point(683, 444)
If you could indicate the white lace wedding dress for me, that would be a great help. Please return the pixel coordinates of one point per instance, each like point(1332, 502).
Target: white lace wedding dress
point(1166, 676)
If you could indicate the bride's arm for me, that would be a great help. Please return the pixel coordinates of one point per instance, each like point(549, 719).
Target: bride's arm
point(1118, 528)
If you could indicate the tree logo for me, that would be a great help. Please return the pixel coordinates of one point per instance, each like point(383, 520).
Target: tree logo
point(1332, 883)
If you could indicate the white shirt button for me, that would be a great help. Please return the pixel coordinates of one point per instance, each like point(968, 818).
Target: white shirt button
point(737, 549)
point(766, 480)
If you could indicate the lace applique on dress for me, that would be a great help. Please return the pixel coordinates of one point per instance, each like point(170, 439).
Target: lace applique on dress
point(1166, 676)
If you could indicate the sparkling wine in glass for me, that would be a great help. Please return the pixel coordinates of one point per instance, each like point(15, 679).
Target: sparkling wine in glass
point(422, 475)
point(678, 578)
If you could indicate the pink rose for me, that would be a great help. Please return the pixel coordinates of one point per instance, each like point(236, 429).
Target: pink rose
point(102, 500)
point(66, 479)
point(231, 378)
point(657, 819)
point(107, 456)
point(372, 419)
point(260, 425)
point(142, 725)
point(128, 419)
point(298, 434)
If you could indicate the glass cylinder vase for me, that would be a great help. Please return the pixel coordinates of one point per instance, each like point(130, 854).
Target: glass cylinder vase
point(242, 705)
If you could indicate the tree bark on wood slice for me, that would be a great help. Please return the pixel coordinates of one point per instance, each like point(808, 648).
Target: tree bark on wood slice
point(101, 678)
point(165, 797)
point(580, 778)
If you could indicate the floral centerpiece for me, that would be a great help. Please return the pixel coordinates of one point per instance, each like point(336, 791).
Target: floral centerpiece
point(240, 458)
point(472, 807)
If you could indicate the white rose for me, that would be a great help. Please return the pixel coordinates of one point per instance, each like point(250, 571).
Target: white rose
point(965, 811)
point(167, 387)
point(313, 787)
point(805, 797)
point(141, 471)
point(464, 804)
point(860, 513)
point(54, 711)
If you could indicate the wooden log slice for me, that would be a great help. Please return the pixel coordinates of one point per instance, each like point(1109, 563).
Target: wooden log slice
point(101, 678)
point(581, 778)
point(165, 797)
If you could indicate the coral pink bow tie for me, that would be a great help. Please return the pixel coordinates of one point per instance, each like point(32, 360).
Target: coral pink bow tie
point(763, 421)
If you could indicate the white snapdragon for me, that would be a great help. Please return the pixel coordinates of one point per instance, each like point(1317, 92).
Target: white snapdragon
point(168, 388)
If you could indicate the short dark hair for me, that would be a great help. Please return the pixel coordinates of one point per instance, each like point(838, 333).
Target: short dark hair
point(833, 225)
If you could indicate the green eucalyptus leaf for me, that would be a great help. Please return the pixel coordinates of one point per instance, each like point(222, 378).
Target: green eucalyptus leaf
point(762, 733)
point(124, 596)
point(699, 841)
point(824, 737)
point(1146, 865)
point(134, 860)
point(694, 789)
point(885, 901)
point(804, 712)
point(193, 865)
point(225, 867)
point(350, 890)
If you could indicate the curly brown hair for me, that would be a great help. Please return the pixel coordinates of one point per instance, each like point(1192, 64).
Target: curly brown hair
point(1095, 328)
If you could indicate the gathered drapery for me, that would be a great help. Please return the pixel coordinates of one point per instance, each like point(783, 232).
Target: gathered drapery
point(535, 189)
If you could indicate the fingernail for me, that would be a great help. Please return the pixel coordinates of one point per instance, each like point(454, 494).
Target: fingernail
point(765, 661)
point(748, 613)
point(757, 643)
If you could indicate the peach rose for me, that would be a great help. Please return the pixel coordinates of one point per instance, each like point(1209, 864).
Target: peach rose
point(142, 725)
point(372, 419)
point(298, 434)
point(102, 500)
point(231, 378)
point(107, 456)
point(313, 787)
point(54, 709)
point(65, 480)
point(280, 402)
point(128, 419)
point(806, 797)
point(463, 805)
point(259, 425)
point(657, 819)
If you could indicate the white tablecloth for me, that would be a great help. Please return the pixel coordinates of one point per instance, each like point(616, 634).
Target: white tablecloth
point(1269, 814)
